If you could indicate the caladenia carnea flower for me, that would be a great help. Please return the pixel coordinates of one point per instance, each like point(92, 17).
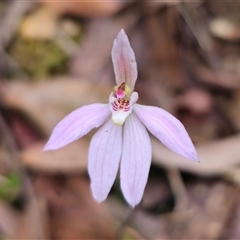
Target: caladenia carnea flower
point(123, 137)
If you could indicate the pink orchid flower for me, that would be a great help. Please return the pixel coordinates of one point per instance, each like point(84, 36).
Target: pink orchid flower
point(123, 137)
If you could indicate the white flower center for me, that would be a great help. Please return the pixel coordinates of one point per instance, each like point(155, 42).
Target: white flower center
point(121, 103)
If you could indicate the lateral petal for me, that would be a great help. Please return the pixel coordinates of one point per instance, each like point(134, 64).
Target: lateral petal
point(124, 62)
point(136, 160)
point(77, 124)
point(168, 129)
point(103, 160)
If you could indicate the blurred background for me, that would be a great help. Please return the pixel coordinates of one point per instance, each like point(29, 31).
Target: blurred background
point(55, 56)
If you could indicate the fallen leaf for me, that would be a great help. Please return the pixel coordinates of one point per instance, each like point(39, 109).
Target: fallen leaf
point(40, 24)
point(204, 217)
point(195, 100)
point(69, 159)
point(33, 223)
point(96, 48)
point(216, 157)
point(9, 219)
point(85, 8)
point(74, 214)
point(45, 103)
point(225, 29)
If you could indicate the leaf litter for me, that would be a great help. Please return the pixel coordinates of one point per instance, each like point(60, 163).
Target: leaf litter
point(186, 66)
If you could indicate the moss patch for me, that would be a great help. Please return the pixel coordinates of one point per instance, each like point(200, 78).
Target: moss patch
point(38, 59)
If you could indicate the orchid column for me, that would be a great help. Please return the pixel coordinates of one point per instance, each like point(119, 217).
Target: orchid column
point(123, 137)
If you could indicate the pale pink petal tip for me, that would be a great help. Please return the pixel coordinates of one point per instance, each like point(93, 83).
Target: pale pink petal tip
point(168, 129)
point(124, 62)
point(77, 124)
point(103, 159)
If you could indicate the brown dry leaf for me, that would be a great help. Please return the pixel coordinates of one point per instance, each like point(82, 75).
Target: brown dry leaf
point(85, 8)
point(221, 9)
point(12, 13)
point(225, 29)
point(9, 220)
point(74, 214)
point(156, 194)
point(8, 154)
point(233, 109)
point(164, 51)
point(233, 227)
point(22, 132)
point(34, 221)
point(155, 5)
point(227, 81)
point(96, 48)
point(46, 103)
point(196, 100)
point(205, 217)
point(202, 218)
point(194, 18)
point(217, 157)
point(69, 159)
point(40, 24)
point(6, 163)
point(147, 225)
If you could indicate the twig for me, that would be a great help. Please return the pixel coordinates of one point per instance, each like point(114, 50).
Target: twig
point(10, 19)
point(124, 223)
point(12, 64)
point(178, 188)
point(65, 43)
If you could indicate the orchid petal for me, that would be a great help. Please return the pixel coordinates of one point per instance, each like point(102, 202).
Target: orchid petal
point(104, 156)
point(77, 124)
point(168, 129)
point(136, 159)
point(133, 98)
point(124, 62)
